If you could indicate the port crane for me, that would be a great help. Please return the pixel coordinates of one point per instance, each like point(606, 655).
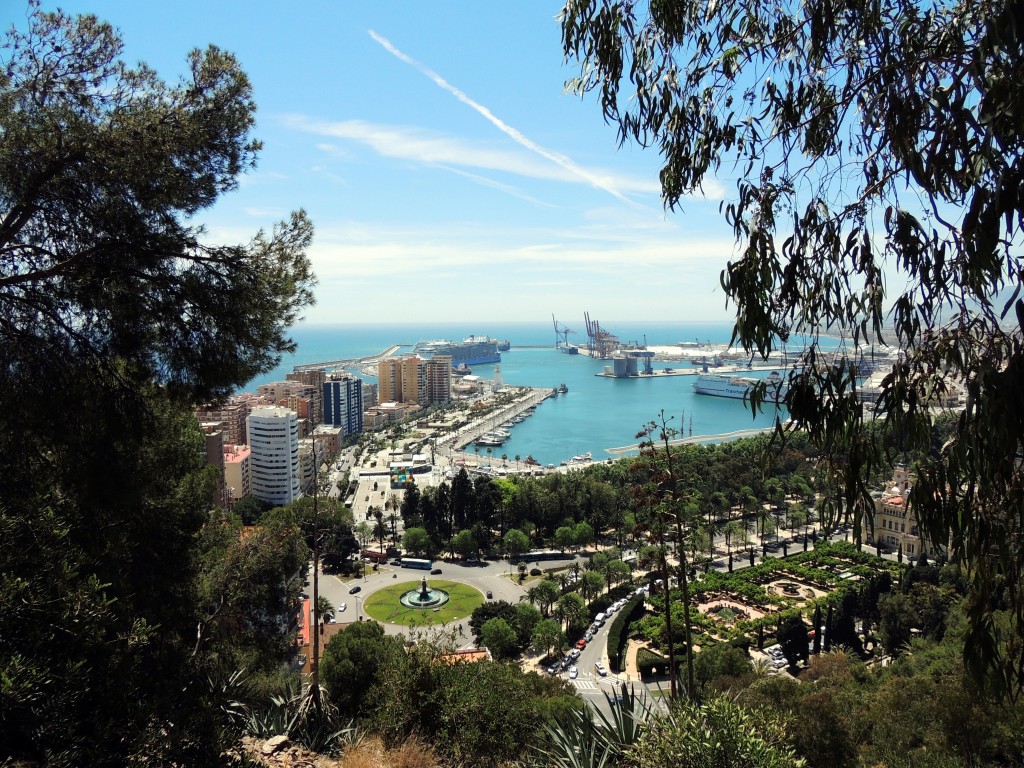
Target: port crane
point(600, 343)
point(561, 333)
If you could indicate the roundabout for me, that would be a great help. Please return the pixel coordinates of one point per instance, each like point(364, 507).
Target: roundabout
point(428, 603)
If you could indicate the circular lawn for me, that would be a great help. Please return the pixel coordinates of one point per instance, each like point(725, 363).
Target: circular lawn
point(383, 605)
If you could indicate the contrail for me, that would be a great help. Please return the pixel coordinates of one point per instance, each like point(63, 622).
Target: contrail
point(501, 125)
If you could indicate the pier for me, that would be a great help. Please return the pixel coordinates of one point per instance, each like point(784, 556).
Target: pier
point(694, 440)
point(350, 362)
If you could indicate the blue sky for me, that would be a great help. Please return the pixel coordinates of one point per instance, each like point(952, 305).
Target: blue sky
point(447, 171)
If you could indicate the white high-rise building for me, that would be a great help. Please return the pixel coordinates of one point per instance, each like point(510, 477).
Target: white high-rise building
point(274, 459)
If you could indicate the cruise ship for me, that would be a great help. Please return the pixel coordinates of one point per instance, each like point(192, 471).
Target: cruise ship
point(739, 387)
point(475, 350)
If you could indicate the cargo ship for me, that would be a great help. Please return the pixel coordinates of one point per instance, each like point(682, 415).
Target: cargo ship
point(739, 387)
point(475, 350)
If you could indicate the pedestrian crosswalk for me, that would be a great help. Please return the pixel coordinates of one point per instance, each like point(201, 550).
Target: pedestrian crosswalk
point(584, 685)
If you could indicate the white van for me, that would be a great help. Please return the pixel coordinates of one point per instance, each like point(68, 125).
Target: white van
point(600, 618)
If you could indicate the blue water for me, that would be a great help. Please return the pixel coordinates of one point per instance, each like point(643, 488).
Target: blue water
point(597, 413)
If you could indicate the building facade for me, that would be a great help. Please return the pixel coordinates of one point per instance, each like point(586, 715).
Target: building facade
point(343, 403)
point(231, 417)
point(439, 379)
point(237, 477)
point(895, 525)
point(314, 379)
point(275, 473)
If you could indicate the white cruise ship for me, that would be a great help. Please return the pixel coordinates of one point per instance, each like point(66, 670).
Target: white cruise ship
point(739, 387)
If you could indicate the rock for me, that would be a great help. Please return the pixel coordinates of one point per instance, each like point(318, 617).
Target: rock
point(270, 746)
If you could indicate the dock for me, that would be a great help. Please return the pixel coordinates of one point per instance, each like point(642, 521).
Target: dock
point(664, 372)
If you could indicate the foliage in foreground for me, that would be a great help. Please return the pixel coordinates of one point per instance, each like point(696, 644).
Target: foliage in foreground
point(111, 298)
point(878, 153)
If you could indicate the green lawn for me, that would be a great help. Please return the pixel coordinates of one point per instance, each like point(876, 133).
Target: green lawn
point(383, 605)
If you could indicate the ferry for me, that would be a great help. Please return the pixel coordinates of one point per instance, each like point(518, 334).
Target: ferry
point(562, 388)
point(739, 387)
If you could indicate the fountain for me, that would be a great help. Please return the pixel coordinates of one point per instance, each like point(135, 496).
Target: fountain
point(424, 597)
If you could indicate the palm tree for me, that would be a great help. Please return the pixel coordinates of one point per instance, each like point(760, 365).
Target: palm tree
point(517, 462)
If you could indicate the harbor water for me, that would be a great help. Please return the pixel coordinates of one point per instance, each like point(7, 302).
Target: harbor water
point(596, 414)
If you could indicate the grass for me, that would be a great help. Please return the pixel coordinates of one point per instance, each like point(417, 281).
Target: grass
point(383, 605)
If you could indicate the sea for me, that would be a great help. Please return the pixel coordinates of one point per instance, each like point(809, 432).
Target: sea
point(597, 415)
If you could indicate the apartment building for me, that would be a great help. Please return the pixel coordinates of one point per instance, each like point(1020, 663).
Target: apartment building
point(343, 403)
point(274, 454)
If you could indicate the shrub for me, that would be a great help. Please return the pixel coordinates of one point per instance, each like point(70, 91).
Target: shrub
point(650, 663)
point(536, 572)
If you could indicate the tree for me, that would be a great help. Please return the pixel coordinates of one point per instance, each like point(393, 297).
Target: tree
point(571, 609)
point(249, 508)
point(564, 538)
point(516, 543)
point(792, 637)
point(417, 542)
point(351, 662)
point(544, 594)
point(721, 662)
point(245, 583)
point(527, 617)
point(547, 637)
point(876, 145)
point(112, 294)
point(583, 534)
point(590, 584)
point(498, 636)
point(464, 544)
point(501, 609)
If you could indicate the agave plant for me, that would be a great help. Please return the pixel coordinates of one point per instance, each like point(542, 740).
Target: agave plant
point(590, 738)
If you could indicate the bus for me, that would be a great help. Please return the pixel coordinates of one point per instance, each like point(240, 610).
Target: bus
point(374, 557)
point(531, 557)
point(411, 562)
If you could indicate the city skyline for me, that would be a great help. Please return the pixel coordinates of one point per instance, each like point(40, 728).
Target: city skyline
point(443, 164)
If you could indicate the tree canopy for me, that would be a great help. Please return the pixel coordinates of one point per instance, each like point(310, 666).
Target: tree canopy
point(117, 315)
point(877, 154)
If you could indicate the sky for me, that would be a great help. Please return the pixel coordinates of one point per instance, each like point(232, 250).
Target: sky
point(449, 174)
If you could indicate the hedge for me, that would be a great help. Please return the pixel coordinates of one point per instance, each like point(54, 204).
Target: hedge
point(617, 634)
point(647, 660)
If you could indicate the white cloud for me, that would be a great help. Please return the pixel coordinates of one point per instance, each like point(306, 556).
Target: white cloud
point(418, 145)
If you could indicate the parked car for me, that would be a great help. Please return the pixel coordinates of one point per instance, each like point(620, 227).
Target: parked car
point(342, 607)
point(581, 643)
point(574, 654)
point(600, 669)
point(355, 589)
point(588, 636)
point(573, 673)
point(490, 595)
point(555, 668)
point(436, 572)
